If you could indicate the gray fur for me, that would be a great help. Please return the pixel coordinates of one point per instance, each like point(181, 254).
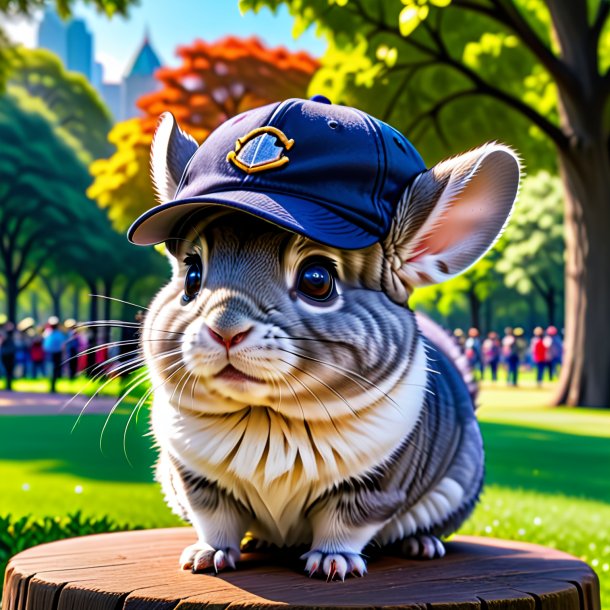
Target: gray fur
point(359, 429)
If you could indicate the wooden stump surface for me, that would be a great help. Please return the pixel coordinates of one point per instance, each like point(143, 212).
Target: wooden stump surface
point(139, 570)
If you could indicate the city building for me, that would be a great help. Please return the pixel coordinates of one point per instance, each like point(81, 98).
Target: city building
point(139, 78)
point(72, 42)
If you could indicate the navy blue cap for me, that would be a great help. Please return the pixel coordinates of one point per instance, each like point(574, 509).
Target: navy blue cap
point(331, 173)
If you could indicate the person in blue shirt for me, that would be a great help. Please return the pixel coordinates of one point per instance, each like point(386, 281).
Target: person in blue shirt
point(53, 345)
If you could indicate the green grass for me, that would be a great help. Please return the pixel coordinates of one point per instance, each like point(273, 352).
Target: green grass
point(547, 472)
point(81, 384)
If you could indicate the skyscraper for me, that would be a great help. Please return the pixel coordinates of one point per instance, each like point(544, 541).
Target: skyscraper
point(139, 79)
point(69, 40)
point(52, 35)
point(80, 48)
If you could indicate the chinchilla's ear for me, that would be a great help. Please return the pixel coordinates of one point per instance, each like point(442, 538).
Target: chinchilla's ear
point(449, 217)
point(171, 150)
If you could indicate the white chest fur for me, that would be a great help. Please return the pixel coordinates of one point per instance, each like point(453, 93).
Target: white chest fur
point(278, 465)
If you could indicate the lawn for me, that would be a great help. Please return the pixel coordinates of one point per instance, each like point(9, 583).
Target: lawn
point(547, 472)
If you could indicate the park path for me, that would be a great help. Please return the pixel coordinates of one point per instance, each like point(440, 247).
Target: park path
point(36, 403)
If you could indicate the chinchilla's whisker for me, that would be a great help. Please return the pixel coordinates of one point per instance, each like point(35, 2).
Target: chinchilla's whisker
point(103, 296)
point(347, 373)
point(321, 402)
point(123, 324)
point(98, 369)
point(337, 394)
point(112, 378)
point(91, 398)
point(345, 343)
point(136, 382)
point(142, 400)
point(196, 380)
point(275, 384)
point(188, 378)
point(289, 386)
point(178, 385)
point(98, 376)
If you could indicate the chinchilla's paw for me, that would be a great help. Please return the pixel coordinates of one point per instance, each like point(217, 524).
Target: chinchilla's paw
point(201, 557)
point(421, 547)
point(333, 565)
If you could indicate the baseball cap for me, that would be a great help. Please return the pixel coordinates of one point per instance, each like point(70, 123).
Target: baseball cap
point(329, 172)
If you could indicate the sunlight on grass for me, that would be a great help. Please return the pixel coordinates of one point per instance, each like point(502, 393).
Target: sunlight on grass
point(546, 481)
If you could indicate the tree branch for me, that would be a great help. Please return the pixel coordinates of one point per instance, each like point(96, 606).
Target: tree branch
point(434, 111)
point(600, 19)
point(507, 14)
point(485, 88)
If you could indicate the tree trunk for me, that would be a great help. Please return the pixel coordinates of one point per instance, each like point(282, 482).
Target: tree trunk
point(488, 317)
point(34, 306)
point(475, 309)
point(585, 170)
point(107, 308)
point(585, 376)
point(12, 294)
point(93, 316)
point(550, 299)
point(76, 303)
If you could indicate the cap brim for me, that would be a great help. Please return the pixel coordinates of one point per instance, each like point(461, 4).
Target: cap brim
point(301, 216)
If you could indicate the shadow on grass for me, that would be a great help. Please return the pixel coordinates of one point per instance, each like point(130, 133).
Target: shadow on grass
point(547, 461)
point(49, 440)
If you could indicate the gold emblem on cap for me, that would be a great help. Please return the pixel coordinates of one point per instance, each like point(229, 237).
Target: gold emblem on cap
point(265, 163)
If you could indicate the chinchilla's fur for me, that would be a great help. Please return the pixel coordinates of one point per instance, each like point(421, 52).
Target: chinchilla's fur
point(333, 424)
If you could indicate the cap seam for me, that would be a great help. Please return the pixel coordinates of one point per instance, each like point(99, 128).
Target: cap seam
point(372, 227)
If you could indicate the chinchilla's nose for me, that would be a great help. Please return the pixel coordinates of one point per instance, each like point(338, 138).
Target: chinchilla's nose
point(229, 321)
point(228, 337)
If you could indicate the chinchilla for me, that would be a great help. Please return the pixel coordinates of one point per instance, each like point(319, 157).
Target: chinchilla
point(297, 396)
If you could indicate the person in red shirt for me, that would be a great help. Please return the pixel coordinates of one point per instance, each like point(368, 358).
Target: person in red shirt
point(539, 353)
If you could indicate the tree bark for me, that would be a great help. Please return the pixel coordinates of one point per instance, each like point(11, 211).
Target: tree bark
point(585, 376)
point(12, 294)
point(550, 299)
point(76, 303)
point(475, 310)
point(107, 308)
point(585, 170)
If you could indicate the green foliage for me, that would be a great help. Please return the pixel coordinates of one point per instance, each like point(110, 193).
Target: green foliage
point(42, 187)
point(421, 65)
point(533, 259)
point(546, 474)
point(73, 106)
point(64, 7)
point(20, 533)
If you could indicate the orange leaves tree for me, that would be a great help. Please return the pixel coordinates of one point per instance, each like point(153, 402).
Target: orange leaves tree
point(215, 81)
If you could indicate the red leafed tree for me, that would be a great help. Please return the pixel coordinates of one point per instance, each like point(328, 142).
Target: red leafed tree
point(221, 79)
point(214, 82)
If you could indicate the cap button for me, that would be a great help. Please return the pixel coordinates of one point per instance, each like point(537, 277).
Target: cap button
point(321, 99)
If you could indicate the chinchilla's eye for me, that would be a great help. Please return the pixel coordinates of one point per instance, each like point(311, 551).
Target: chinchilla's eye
point(193, 279)
point(317, 281)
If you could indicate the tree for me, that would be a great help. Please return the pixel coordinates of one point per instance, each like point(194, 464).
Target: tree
point(533, 257)
point(533, 73)
point(79, 115)
point(42, 199)
point(122, 183)
point(214, 82)
point(469, 290)
point(64, 7)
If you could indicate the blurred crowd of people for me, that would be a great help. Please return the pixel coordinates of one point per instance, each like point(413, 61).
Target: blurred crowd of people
point(48, 351)
point(543, 351)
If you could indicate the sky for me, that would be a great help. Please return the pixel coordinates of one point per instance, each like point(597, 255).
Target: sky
point(171, 23)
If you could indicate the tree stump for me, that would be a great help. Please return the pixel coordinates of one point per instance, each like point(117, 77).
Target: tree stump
point(139, 570)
